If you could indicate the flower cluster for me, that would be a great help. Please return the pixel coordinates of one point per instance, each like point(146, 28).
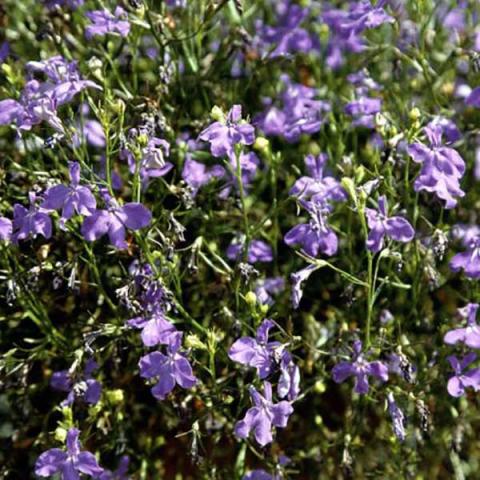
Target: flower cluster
point(167, 167)
point(40, 100)
point(299, 112)
point(469, 336)
point(442, 167)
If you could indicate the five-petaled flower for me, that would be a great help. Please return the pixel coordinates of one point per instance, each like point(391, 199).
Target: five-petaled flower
point(316, 236)
point(170, 369)
point(70, 463)
point(72, 199)
point(381, 226)
point(360, 368)
point(104, 22)
point(223, 136)
point(5, 229)
point(84, 386)
point(155, 329)
point(30, 222)
point(325, 187)
point(469, 335)
point(114, 221)
point(469, 260)
point(256, 352)
point(462, 379)
point(442, 167)
point(263, 415)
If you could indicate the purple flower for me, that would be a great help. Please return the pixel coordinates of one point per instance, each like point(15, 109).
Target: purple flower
point(170, 369)
point(268, 287)
point(289, 381)
point(114, 220)
point(84, 387)
point(449, 129)
point(469, 260)
point(363, 15)
point(346, 28)
point(381, 226)
point(465, 232)
point(63, 79)
point(470, 335)
point(287, 36)
point(473, 98)
point(477, 42)
point(4, 51)
point(263, 415)
point(316, 236)
point(258, 251)
point(5, 229)
point(360, 368)
point(223, 136)
point(300, 112)
point(249, 164)
point(150, 302)
point(176, 3)
point(30, 222)
point(461, 380)
point(156, 330)
point(263, 355)
point(72, 199)
point(39, 100)
point(121, 473)
point(397, 416)
point(69, 464)
point(256, 352)
point(152, 162)
point(73, 4)
point(104, 22)
point(363, 111)
point(340, 42)
point(259, 475)
point(92, 132)
point(196, 174)
point(35, 105)
point(442, 167)
point(324, 187)
point(297, 279)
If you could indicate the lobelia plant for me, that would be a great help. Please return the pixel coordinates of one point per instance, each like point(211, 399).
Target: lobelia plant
point(203, 203)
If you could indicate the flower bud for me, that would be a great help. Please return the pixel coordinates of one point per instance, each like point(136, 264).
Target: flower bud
point(261, 143)
point(60, 434)
point(217, 114)
point(251, 299)
point(192, 341)
point(414, 114)
point(95, 65)
point(115, 397)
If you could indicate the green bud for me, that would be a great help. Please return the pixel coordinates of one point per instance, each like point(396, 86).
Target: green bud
point(261, 143)
point(217, 114)
point(192, 341)
point(119, 106)
point(60, 434)
point(115, 397)
point(96, 65)
point(264, 309)
point(349, 186)
point(359, 173)
point(251, 299)
point(142, 140)
point(414, 114)
point(314, 148)
point(319, 387)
